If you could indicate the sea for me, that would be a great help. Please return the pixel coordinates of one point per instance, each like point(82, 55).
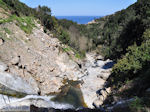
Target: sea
point(79, 19)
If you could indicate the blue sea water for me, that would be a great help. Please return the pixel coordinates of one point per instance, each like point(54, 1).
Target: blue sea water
point(79, 19)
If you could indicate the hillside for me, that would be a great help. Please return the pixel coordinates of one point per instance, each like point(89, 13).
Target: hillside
point(119, 31)
point(36, 68)
point(60, 64)
point(123, 37)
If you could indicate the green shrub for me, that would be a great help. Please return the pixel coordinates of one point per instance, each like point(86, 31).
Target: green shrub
point(136, 59)
point(136, 104)
point(64, 37)
point(3, 5)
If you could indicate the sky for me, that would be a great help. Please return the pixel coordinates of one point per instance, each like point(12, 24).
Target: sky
point(81, 7)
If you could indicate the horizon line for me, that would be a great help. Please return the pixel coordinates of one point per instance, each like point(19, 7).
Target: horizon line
point(76, 15)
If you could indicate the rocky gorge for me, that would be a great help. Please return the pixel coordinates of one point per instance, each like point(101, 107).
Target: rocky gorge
point(52, 65)
point(34, 67)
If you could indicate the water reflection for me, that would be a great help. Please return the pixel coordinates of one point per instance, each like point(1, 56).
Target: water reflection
point(71, 93)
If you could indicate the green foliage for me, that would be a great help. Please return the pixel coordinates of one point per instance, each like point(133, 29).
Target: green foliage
point(136, 104)
point(115, 32)
point(119, 31)
point(10, 19)
point(77, 34)
point(136, 59)
point(140, 105)
point(3, 5)
point(24, 22)
point(64, 37)
point(146, 35)
point(79, 55)
point(44, 10)
point(19, 8)
point(66, 23)
point(67, 49)
point(43, 13)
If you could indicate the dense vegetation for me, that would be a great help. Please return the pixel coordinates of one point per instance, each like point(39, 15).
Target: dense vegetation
point(78, 38)
point(128, 41)
point(20, 9)
point(135, 61)
point(126, 38)
point(115, 33)
point(119, 31)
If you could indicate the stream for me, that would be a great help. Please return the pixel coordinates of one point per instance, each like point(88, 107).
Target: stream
point(12, 103)
point(73, 95)
point(69, 98)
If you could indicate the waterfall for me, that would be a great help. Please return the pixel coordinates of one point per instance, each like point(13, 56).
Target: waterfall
point(7, 102)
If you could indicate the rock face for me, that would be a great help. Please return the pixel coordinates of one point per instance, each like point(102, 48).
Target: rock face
point(122, 106)
point(97, 71)
point(36, 109)
point(36, 64)
point(37, 58)
point(10, 82)
point(16, 83)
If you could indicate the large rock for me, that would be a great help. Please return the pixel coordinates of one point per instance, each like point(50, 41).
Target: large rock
point(15, 60)
point(94, 79)
point(36, 109)
point(9, 92)
point(16, 83)
point(122, 106)
point(102, 95)
point(34, 58)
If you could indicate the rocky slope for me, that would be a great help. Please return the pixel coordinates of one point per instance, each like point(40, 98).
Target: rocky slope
point(36, 58)
point(36, 65)
point(97, 71)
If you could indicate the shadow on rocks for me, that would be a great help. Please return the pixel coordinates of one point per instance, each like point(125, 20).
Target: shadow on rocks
point(36, 109)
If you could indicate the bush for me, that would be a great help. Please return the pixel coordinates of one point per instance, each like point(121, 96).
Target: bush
point(136, 59)
point(64, 37)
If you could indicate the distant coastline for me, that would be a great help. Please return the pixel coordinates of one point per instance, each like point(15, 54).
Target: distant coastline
point(79, 19)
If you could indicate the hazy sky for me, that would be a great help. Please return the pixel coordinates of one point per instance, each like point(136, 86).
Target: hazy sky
point(81, 7)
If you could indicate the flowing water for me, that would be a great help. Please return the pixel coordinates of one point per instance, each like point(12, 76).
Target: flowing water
point(69, 98)
point(26, 101)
